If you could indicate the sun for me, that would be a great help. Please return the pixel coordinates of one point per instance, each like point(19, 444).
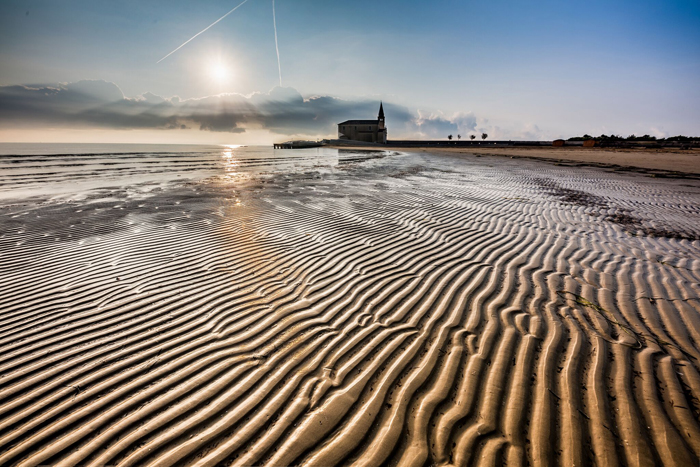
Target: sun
point(219, 72)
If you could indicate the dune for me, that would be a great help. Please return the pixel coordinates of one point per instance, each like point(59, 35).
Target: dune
point(411, 309)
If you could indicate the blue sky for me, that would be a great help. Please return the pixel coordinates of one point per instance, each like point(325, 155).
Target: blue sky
point(518, 69)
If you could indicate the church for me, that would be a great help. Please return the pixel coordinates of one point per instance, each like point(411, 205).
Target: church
point(367, 131)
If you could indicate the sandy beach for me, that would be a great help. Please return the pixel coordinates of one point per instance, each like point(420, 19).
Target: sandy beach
point(661, 161)
point(358, 308)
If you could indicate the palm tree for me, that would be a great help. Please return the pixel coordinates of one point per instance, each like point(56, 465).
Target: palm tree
point(472, 137)
point(459, 136)
point(449, 137)
point(484, 136)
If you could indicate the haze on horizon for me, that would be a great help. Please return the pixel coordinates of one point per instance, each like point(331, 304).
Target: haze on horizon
point(87, 71)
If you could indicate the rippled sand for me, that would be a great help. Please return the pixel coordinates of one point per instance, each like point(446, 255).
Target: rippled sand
point(408, 309)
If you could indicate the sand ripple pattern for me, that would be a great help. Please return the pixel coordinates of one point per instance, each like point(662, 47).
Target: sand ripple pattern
point(408, 311)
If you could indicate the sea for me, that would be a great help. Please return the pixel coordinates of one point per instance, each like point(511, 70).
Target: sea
point(55, 170)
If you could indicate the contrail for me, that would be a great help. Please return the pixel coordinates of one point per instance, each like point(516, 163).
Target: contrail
point(212, 24)
point(277, 47)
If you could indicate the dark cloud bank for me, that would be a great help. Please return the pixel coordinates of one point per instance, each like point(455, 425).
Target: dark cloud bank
point(101, 104)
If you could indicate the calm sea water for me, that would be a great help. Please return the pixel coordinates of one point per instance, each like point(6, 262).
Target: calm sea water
point(46, 170)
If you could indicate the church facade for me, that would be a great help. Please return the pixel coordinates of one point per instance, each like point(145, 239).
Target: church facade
point(367, 131)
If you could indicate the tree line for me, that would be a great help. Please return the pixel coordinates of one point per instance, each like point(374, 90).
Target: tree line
point(471, 137)
point(612, 138)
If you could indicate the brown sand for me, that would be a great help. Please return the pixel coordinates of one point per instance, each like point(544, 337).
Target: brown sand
point(667, 160)
point(408, 309)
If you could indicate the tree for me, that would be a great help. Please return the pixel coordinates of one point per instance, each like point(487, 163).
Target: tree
point(459, 136)
point(484, 136)
point(449, 137)
point(472, 137)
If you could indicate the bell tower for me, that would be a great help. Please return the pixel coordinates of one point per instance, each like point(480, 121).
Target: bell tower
point(380, 118)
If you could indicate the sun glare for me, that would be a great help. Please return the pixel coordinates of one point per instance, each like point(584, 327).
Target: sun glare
point(219, 72)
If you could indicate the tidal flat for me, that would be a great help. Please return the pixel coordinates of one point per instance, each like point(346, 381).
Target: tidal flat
point(246, 306)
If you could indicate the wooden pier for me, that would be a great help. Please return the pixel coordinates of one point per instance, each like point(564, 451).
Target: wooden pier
point(298, 144)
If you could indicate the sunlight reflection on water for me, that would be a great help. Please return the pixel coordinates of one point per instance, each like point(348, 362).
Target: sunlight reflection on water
point(35, 171)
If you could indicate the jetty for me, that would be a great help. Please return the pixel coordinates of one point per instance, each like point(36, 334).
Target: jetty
point(298, 144)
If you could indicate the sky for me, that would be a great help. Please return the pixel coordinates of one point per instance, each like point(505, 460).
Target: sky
point(78, 70)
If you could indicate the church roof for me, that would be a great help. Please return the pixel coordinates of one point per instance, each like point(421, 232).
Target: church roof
point(381, 110)
point(359, 122)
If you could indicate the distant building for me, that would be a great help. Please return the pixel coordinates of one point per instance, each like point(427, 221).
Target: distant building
point(367, 131)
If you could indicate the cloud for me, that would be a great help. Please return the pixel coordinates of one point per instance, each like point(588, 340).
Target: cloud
point(102, 104)
point(658, 132)
point(439, 126)
point(524, 132)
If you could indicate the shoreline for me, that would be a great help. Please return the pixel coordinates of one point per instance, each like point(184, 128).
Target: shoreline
point(674, 163)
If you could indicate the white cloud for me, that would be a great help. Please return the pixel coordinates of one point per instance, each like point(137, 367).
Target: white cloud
point(283, 111)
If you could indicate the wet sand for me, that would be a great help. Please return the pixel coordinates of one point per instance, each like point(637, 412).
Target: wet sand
point(411, 309)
